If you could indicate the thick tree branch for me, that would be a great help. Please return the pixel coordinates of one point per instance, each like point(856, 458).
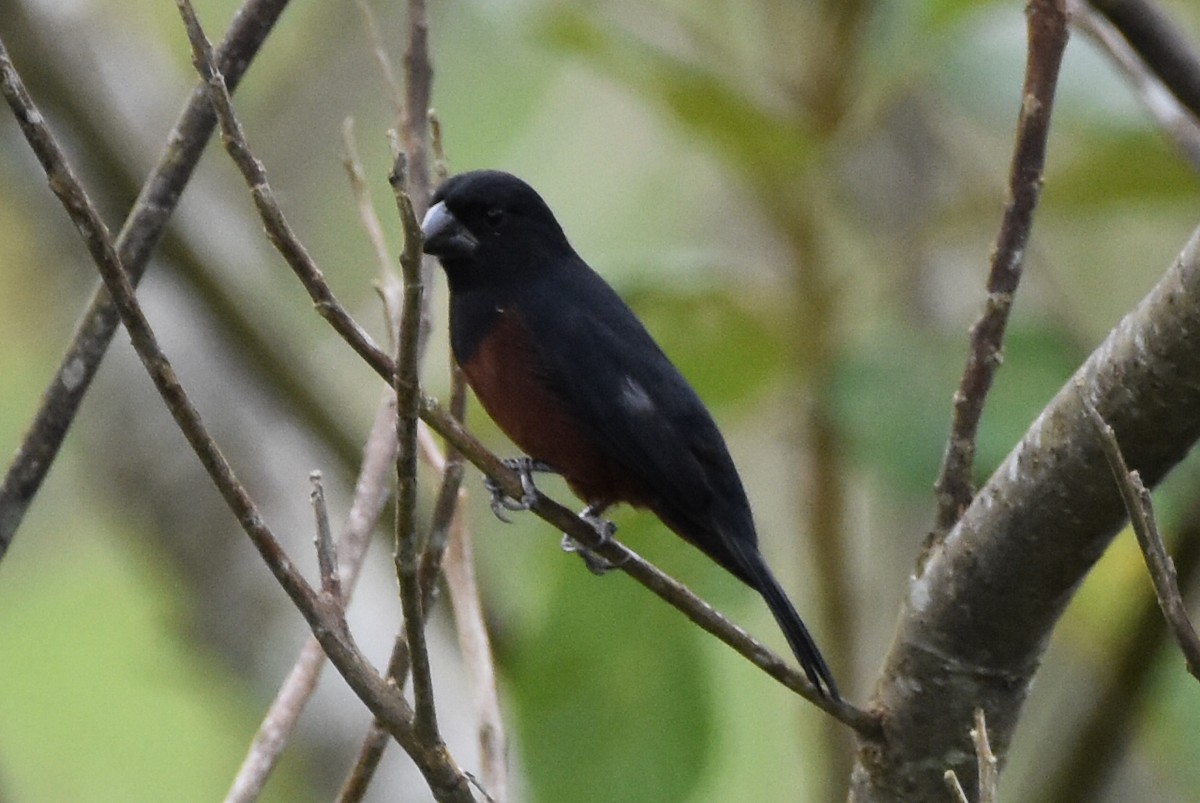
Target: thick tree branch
point(980, 610)
point(137, 238)
point(1047, 40)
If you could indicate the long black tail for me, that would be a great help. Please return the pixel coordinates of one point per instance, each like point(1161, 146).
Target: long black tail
point(797, 635)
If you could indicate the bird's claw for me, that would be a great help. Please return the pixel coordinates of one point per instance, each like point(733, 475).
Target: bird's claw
point(500, 502)
point(605, 529)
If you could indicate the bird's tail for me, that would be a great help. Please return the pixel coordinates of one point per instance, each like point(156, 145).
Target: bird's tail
point(797, 635)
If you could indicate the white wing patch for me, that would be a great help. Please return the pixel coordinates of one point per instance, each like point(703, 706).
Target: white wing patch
point(634, 397)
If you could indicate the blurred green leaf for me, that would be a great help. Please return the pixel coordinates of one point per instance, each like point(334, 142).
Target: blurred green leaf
point(895, 401)
point(102, 700)
point(696, 96)
point(613, 699)
point(1105, 168)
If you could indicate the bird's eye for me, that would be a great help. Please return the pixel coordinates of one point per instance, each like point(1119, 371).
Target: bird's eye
point(493, 217)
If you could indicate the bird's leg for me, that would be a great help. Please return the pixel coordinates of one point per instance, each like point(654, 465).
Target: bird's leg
point(604, 528)
point(525, 467)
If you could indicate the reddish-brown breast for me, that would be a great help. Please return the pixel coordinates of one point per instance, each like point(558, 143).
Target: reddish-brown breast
point(510, 384)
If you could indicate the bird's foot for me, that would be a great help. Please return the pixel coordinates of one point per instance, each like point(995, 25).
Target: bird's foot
point(525, 467)
point(596, 563)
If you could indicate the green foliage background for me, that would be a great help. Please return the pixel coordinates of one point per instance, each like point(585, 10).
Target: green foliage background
point(686, 150)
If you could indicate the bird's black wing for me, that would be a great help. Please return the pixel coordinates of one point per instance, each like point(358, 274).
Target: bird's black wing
point(616, 382)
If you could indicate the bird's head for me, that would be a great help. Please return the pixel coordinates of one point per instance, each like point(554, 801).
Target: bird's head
point(491, 220)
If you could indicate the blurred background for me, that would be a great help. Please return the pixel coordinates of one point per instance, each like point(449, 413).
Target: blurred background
point(798, 198)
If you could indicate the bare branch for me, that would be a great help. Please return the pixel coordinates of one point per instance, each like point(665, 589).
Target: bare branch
point(1047, 40)
point(1160, 44)
point(986, 783)
point(477, 654)
point(418, 84)
point(988, 775)
point(278, 230)
point(331, 583)
point(371, 493)
point(395, 93)
point(1145, 526)
point(443, 776)
point(362, 197)
point(1175, 119)
point(408, 393)
point(1120, 696)
point(445, 511)
point(141, 232)
point(960, 795)
point(667, 588)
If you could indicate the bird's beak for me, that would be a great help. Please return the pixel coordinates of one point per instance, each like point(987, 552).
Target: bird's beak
point(444, 235)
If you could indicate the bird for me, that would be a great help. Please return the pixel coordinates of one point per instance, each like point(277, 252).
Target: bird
point(570, 374)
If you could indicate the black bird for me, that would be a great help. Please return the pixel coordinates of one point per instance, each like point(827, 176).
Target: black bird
point(569, 373)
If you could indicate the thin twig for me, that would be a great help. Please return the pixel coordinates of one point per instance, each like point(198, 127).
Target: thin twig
point(987, 777)
point(988, 772)
point(667, 588)
point(441, 166)
point(394, 92)
point(449, 498)
point(1047, 32)
point(375, 742)
point(1125, 681)
point(371, 493)
point(141, 232)
point(362, 197)
point(1145, 527)
point(331, 583)
point(414, 126)
point(358, 780)
point(408, 393)
point(1178, 122)
point(1160, 44)
point(450, 495)
point(960, 795)
point(477, 655)
point(324, 618)
point(279, 231)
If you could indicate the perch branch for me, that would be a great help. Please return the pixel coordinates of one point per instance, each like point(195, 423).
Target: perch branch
point(670, 590)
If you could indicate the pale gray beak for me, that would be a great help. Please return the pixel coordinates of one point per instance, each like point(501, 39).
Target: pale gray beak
point(444, 235)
